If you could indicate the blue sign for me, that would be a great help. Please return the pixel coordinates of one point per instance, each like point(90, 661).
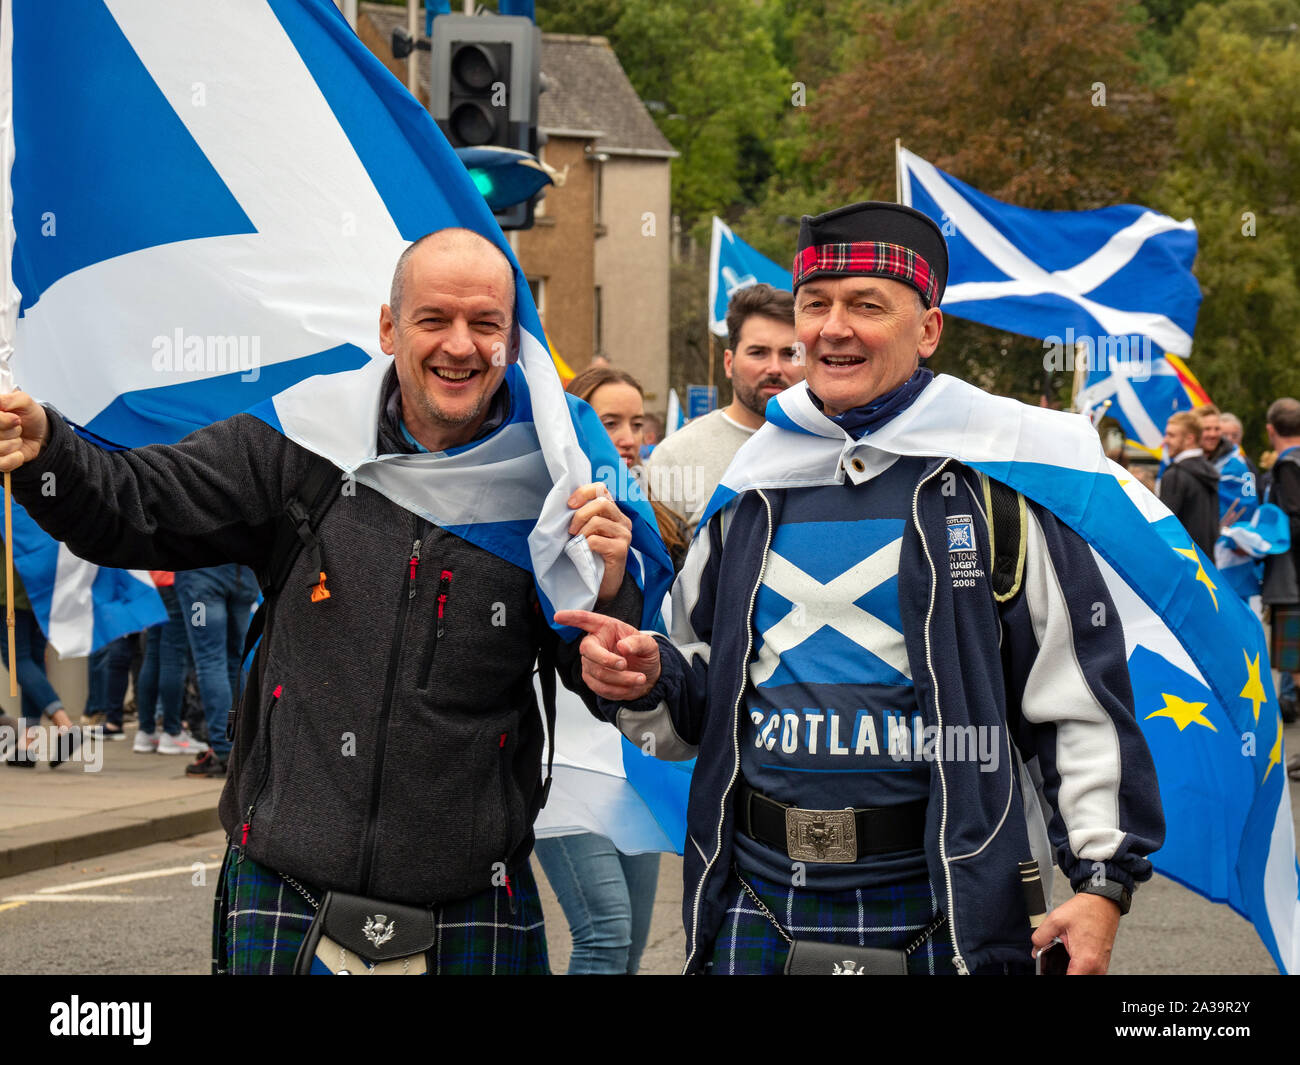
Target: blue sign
point(700, 399)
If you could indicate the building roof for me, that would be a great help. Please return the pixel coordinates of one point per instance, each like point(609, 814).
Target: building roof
point(589, 91)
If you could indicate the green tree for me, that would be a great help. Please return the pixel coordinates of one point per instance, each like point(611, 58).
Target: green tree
point(1042, 103)
point(1237, 101)
point(592, 18)
point(710, 76)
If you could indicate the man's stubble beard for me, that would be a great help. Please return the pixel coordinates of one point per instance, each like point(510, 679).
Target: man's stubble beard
point(750, 399)
point(439, 418)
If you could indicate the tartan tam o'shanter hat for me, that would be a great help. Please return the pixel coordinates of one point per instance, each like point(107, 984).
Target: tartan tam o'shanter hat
point(874, 240)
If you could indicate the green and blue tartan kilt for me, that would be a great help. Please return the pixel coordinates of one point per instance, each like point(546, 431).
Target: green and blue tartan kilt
point(886, 917)
point(1285, 649)
point(260, 921)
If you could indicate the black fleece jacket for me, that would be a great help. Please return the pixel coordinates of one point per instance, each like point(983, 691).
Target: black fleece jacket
point(388, 743)
point(1190, 488)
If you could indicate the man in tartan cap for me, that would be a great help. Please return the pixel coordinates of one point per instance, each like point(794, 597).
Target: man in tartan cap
point(872, 690)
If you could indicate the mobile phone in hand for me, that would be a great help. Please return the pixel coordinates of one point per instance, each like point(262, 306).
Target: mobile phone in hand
point(1052, 960)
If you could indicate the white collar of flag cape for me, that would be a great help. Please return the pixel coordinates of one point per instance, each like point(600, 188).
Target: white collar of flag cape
point(506, 493)
point(1172, 602)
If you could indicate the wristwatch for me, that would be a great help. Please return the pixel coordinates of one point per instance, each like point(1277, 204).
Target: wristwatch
point(1117, 893)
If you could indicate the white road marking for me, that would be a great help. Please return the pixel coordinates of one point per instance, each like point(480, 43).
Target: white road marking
point(87, 898)
point(123, 878)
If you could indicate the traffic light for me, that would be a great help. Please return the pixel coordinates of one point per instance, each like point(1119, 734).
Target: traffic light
point(505, 177)
point(484, 87)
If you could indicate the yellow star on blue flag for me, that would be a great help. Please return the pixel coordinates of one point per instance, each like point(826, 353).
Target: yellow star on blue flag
point(1201, 575)
point(1274, 755)
point(1254, 689)
point(1182, 712)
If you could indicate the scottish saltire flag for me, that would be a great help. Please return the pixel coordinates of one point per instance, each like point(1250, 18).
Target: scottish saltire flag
point(674, 419)
point(1237, 487)
point(605, 784)
point(257, 172)
point(1140, 395)
point(733, 264)
point(78, 606)
point(489, 492)
point(1198, 658)
point(1117, 281)
point(1241, 548)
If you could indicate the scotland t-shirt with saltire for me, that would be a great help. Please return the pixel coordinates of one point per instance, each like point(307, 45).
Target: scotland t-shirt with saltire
point(830, 690)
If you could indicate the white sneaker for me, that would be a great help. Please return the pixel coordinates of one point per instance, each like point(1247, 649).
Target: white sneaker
point(183, 743)
point(198, 746)
point(145, 743)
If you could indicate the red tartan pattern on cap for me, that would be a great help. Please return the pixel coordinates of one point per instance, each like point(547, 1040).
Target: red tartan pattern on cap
point(868, 257)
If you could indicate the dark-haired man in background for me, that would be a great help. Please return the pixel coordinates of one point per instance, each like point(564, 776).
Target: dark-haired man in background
point(760, 361)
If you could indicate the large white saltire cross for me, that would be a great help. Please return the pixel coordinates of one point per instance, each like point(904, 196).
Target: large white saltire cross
point(325, 243)
point(1027, 278)
point(817, 605)
point(1119, 384)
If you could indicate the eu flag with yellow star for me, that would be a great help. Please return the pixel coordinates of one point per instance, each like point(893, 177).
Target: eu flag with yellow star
point(1198, 663)
point(1202, 689)
point(1197, 655)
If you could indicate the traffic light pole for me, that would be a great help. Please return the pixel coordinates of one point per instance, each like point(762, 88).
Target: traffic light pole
point(413, 30)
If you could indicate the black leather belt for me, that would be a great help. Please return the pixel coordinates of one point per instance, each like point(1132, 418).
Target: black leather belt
point(838, 836)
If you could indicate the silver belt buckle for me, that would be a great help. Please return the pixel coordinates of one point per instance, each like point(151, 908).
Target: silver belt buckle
point(821, 835)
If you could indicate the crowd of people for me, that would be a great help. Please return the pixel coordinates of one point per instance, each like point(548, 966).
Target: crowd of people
point(184, 673)
point(1209, 483)
point(385, 757)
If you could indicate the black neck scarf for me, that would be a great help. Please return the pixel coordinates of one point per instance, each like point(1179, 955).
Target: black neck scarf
point(858, 421)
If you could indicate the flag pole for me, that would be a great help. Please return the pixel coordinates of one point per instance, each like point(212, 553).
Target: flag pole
point(898, 170)
point(1076, 386)
point(8, 300)
point(10, 621)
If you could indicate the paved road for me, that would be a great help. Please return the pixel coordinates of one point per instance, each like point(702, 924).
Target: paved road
point(149, 910)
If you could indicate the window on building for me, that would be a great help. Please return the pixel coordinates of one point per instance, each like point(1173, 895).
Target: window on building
point(537, 286)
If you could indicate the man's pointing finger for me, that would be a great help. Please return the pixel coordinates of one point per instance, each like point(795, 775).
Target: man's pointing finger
point(581, 619)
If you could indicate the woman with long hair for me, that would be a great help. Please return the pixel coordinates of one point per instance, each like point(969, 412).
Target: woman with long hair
point(619, 402)
point(607, 896)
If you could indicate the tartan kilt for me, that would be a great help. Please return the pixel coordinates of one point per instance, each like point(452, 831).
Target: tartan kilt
point(886, 917)
point(260, 921)
point(1284, 648)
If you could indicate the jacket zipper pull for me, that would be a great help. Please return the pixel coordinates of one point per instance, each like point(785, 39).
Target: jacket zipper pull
point(248, 817)
point(415, 562)
point(444, 586)
point(243, 843)
point(510, 894)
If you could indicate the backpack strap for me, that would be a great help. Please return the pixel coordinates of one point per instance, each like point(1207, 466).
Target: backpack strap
point(295, 532)
point(546, 667)
point(1008, 523)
